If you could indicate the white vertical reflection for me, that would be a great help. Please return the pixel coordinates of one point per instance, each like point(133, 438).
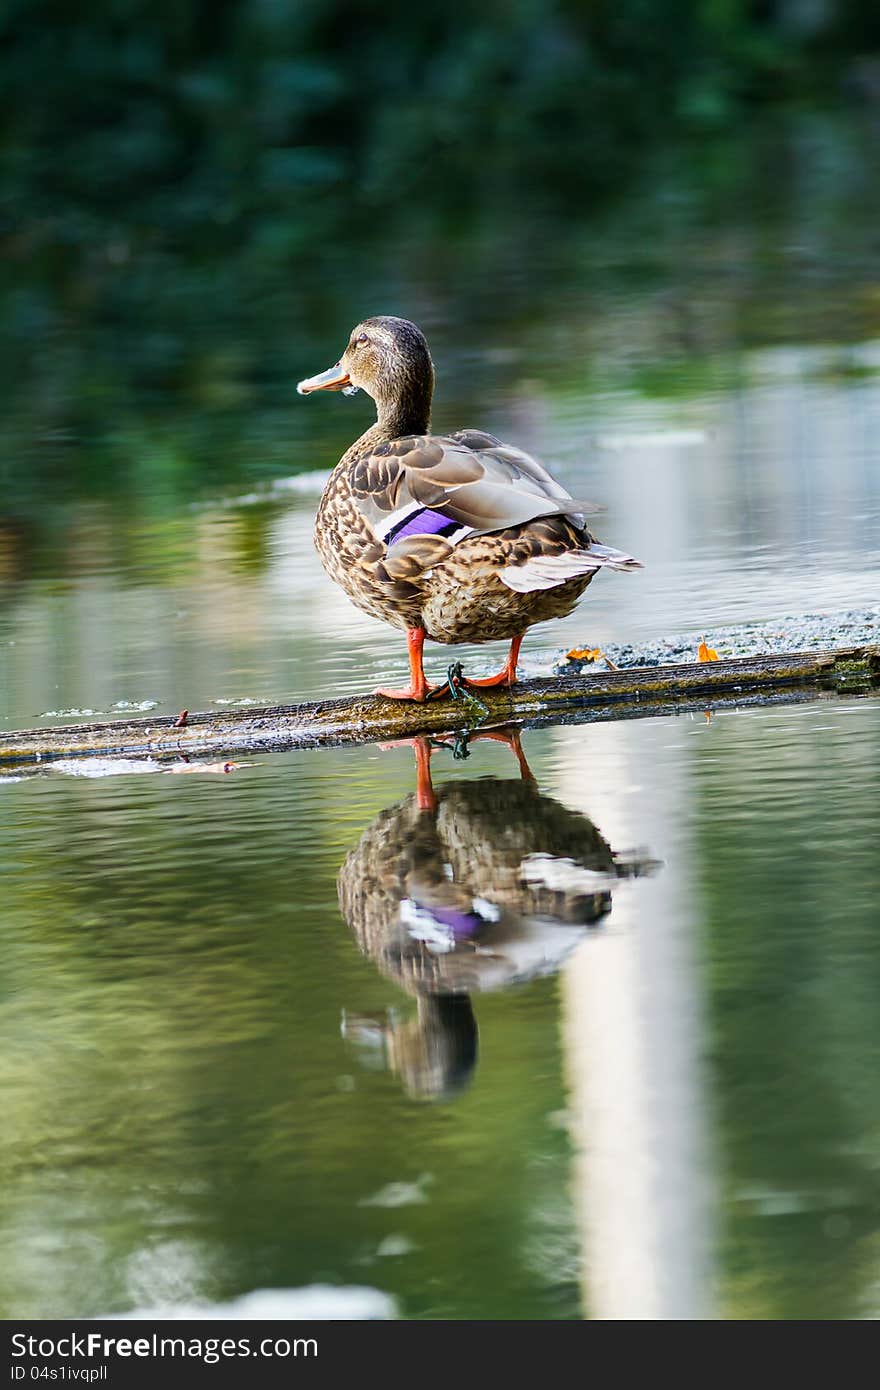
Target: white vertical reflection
point(632, 1042)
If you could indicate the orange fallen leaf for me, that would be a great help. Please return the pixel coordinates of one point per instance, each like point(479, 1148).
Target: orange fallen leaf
point(591, 654)
point(706, 653)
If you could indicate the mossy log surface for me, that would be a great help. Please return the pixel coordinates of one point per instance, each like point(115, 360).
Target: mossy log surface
point(369, 718)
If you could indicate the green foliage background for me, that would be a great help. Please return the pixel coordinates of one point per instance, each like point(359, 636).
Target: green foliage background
point(138, 136)
point(198, 198)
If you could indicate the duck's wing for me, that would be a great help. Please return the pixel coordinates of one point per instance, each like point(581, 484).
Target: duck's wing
point(456, 485)
point(422, 494)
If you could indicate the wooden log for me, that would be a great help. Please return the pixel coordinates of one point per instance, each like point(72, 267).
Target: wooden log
point(624, 693)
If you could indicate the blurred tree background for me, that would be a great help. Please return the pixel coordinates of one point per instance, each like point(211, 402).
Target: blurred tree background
point(198, 198)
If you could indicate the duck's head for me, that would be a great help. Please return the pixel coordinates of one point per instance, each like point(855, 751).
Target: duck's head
point(389, 359)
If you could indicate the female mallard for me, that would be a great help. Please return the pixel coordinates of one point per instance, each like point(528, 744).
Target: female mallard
point(456, 537)
point(471, 888)
point(478, 886)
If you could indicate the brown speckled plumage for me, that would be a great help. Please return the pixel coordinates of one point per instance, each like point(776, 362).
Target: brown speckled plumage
point(464, 890)
point(453, 591)
point(516, 550)
point(474, 845)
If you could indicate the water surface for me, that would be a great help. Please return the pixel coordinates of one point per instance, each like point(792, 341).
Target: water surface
point(210, 1087)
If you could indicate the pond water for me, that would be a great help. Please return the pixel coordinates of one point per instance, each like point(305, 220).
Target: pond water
point(653, 1092)
point(601, 1043)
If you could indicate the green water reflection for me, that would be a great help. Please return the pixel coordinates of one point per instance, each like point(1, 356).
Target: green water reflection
point(183, 1116)
point(791, 892)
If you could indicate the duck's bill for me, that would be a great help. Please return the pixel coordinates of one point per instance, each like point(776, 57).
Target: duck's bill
point(334, 379)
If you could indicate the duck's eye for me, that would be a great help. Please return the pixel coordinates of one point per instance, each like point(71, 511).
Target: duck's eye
point(361, 338)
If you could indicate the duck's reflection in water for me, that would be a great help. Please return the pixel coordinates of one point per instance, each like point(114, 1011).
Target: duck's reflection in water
point(473, 887)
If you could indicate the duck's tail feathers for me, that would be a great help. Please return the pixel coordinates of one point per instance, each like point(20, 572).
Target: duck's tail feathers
point(546, 571)
point(614, 559)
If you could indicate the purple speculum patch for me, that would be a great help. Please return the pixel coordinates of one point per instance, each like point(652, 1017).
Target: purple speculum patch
point(424, 523)
point(461, 924)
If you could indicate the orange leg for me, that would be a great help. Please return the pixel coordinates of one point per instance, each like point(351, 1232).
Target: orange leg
point(424, 749)
point(507, 676)
point(425, 798)
point(418, 688)
point(512, 740)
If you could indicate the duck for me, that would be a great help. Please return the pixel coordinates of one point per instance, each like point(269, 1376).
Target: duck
point(452, 538)
point(480, 885)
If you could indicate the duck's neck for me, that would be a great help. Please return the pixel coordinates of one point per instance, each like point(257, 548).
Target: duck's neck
point(394, 417)
point(407, 407)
